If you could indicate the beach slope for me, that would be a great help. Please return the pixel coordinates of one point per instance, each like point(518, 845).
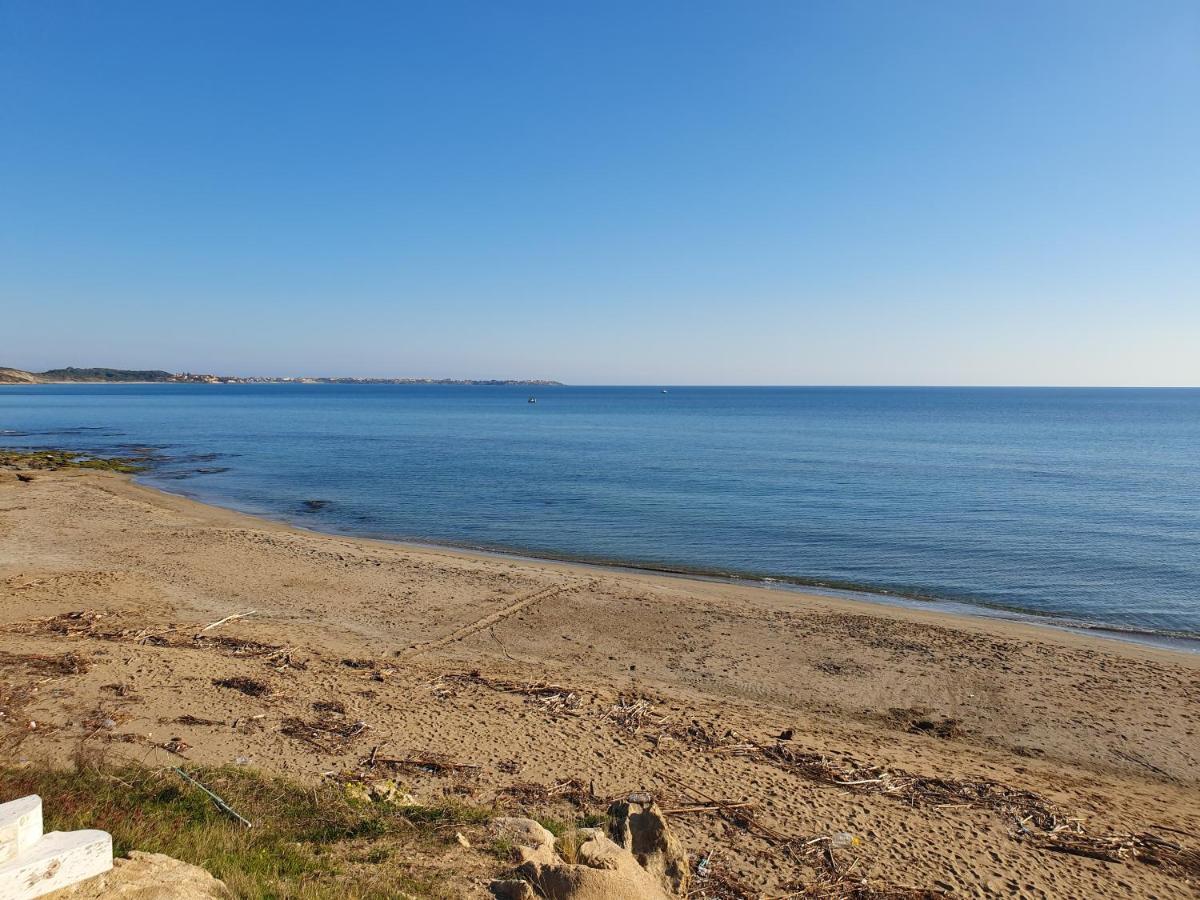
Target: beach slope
point(982, 757)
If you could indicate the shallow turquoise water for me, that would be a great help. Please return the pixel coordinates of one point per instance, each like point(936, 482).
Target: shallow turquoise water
point(1077, 503)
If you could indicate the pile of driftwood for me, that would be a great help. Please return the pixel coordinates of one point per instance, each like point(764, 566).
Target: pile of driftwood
point(573, 791)
point(92, 624)
point(1037, 819)
point(1146, 847)
point(326, 733)
point(833, 860)
point(427, 763)
point(635, 714)
point(553, 698)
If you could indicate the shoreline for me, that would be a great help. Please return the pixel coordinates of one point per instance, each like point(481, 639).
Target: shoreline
point(1181, 642)
point(158, 628)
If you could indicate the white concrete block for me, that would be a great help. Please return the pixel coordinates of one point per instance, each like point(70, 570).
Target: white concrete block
point(59, 859)
point(20, 826)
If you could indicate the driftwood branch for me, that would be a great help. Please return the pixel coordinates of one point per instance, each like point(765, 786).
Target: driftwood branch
point(223, 621)
point(221, 804)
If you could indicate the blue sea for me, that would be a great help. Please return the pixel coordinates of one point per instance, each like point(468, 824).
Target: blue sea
point(1078, 504)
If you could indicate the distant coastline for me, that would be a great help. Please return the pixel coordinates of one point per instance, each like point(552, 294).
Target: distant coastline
point(72, 375)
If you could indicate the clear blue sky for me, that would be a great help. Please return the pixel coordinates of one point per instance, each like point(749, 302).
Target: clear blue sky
point(610, 192)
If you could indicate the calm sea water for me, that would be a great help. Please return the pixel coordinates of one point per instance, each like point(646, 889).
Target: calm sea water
point(1083, 504)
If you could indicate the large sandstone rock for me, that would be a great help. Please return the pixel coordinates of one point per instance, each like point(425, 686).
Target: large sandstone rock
point(641, 828)
point(533, 842)
point(602, 869)
point(148, 876)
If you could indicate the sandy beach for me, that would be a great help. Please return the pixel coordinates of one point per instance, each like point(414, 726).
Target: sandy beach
point(928, 737)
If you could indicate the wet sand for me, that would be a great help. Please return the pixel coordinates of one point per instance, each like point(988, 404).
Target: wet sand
point(676, 686)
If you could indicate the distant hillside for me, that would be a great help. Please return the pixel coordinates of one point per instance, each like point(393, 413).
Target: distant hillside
point(16, 376)
point(72, 374)
point(102, 376)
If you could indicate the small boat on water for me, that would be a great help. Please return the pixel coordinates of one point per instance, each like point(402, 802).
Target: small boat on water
point(531, 400)
point(664, 390)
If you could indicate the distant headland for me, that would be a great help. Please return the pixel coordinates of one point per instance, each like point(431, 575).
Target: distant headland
point(71, 375)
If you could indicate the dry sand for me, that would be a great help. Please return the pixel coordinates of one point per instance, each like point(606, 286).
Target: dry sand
point(711, 674)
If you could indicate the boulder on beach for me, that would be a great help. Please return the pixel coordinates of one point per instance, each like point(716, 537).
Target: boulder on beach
point(148, 876)
point(645, 862)
point(639, 826)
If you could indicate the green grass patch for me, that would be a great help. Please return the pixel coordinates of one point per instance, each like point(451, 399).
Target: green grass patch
point(556, 827)
point(306, 842)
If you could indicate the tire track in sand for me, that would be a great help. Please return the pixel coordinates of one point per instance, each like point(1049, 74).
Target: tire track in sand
point(487, 621)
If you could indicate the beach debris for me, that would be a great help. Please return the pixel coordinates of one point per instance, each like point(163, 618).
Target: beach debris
point(553, 698)
point(248, 686)
point(93, 624)
point(195, 721)
point(1038, 820)
point(277, 657)
point(248, 724)
point(31, 673)
point(839, 667)
point(176, 745)
point(220, 622)
point(714, 806)
point(429, 763)
point(572, 791)
point(943, 728)
point(101, 719)
point(715, 881)
point(500, 643)
point(1070, 837)
point(914, 790)
point(633, 714)
point(46, 665)
point(833, 878)
point(221, 804)
point(325, 733)
point(919, 720)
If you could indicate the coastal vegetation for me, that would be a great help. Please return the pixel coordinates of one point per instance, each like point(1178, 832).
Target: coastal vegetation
point(305, 842)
